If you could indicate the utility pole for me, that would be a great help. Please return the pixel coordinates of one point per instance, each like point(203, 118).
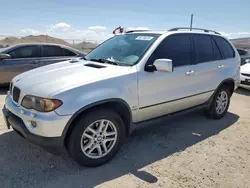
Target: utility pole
point(191, 22)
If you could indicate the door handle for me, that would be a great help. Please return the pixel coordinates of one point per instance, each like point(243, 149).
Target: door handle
point(220, 66)
point(189, 73)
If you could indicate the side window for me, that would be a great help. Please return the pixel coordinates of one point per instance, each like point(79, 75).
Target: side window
point(217, 54)
point(25, 52)
point(67, 52)
point(203, 48)
point(176, 47)
point(52, 51)
point(225, 48)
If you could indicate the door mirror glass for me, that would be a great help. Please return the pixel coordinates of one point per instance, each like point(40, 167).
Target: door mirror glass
point(163, 65)
point(4, 56)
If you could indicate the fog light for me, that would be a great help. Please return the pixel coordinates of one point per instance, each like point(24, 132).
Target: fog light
point(33, 124)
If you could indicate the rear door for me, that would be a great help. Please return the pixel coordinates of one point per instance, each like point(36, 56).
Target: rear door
point(22, 59)
point(228, 66)
point(207, 55)
point(54, 54)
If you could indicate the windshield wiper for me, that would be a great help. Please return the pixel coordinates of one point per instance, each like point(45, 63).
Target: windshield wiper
point(104, 61)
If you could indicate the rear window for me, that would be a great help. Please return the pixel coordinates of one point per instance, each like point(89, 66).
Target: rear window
point(68, 52)
point(52, 51)
point(225, 48)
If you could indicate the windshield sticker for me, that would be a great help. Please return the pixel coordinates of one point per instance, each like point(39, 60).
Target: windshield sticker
point(144, 38)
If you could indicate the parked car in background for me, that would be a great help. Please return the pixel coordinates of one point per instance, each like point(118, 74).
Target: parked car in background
point(244, 54)
point(245, 74)
point(23, 57)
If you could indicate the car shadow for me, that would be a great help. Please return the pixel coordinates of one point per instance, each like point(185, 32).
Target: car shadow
point(243, 91)
point(29, 165)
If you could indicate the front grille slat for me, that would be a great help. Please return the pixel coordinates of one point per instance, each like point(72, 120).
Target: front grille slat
point(16, 94)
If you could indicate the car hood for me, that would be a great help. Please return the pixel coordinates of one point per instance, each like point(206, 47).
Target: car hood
point(46, 81)
point(245, 68)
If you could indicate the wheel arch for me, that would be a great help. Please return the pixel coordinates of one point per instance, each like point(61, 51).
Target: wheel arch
point(227, 82)
point(118, 105)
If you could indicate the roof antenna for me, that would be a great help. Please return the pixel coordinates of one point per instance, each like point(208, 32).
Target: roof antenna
point(191, 22)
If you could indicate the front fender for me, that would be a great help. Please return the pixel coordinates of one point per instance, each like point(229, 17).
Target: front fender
point(76, 99)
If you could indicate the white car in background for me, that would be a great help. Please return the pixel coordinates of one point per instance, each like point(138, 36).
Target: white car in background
point(245, 75)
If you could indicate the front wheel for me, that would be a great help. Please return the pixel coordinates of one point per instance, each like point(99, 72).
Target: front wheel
point(96, 138)
point(220, 103)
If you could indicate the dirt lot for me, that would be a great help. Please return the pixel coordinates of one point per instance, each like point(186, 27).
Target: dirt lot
point(190, 151)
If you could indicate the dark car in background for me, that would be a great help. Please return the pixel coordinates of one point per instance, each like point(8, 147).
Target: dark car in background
point(244, 55)
point(23, 57)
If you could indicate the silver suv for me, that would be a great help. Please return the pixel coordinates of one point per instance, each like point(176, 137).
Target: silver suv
point(89, 106)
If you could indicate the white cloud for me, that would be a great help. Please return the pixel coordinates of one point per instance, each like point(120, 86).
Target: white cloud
point(61, 26)
point(235, 34)
point(97, 28)
point(30, 32)
point(137, 28)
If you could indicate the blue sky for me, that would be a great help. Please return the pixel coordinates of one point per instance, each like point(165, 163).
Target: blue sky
point(95, 19)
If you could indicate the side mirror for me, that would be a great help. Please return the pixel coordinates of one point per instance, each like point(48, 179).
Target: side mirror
point(4, 56)
point(247, 60)
point(161, 65)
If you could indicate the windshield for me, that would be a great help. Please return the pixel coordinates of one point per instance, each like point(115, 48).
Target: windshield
point(123, 49)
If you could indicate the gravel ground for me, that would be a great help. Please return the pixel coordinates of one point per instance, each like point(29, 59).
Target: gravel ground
point(190, 151)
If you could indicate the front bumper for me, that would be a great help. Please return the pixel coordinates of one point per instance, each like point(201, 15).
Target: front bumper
point(17, 124)
point(244, 83)
point(47, 133)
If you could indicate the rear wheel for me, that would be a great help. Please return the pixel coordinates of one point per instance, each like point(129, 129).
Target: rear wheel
point(220, 103)
point(96, 138)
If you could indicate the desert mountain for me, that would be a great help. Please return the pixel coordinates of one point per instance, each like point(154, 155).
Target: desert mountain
point(241, 43)
point(33, 39)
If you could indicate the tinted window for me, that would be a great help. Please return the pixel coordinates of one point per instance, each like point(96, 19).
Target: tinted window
point(25, 52)
point(225, 48)
point(203, 48)
point(242, 52)
point(52, 51)
point(217, 54)
point(68, 53)
point(175, 47)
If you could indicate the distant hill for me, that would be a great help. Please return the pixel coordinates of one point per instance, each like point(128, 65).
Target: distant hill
point(242, 43)
point(8, 41)
point(85, 45)
point(32, 39)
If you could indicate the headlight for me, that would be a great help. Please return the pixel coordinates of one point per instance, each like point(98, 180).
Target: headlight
point(40, 104)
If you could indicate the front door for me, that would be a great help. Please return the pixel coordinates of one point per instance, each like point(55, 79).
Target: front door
point(162, 93)
point(22, 59)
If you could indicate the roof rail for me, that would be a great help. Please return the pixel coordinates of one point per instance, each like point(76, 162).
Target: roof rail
point(131, 31)
point(200, 29)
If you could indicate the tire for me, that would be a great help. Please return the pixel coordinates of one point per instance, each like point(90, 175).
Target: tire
point(213, 112)
point(84, 137)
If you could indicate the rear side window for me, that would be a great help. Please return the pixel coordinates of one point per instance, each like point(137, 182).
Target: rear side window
point(175, 47)
point(225, 48)
point(67, 52)
point(25, 52)
point(203, 48)
point(52, 51)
